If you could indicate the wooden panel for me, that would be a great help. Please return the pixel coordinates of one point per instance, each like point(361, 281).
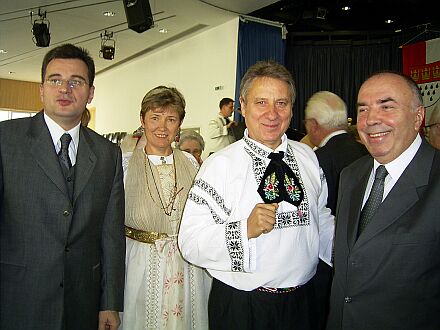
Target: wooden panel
point(20, 95)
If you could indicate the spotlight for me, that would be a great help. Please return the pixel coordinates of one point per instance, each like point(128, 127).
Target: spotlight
point(321, 13)
point(107, 51)
point(40, 30)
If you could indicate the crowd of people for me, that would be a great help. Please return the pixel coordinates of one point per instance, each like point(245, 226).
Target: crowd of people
point(265, 233)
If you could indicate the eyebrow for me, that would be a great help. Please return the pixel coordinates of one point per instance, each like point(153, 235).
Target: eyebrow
point(379, 101)
point(385, 100)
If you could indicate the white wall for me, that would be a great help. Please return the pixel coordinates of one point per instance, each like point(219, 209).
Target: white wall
point(194, 66)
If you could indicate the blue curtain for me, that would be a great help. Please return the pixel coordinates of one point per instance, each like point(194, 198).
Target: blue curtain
point(256, 42)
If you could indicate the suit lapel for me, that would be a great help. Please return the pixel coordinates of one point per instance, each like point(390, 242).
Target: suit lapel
point(43, 151)
point(85, 162)
point(403, 195)
point(357, 195)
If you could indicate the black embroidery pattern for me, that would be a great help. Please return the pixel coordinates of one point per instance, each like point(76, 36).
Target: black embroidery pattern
point(258, 165)
point(201, 201)
point(210, 190)
point(292, 219)
point(235, 246)
point(256, 149)
point(300, 217)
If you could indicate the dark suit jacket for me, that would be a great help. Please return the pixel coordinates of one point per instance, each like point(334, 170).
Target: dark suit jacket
point(340, 151)
point(389, 278)
point(60, 261)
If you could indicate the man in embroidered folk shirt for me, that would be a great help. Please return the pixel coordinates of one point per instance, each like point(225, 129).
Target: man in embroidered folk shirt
point(256, 217)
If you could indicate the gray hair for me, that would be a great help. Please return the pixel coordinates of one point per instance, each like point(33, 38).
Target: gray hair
point(270, 69)
point(328, 109)
point(191, 135)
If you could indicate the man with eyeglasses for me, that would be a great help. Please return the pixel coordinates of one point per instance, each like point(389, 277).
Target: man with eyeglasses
point(432, 130)
point(61, 209)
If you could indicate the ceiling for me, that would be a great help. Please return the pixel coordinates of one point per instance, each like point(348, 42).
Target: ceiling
point(325, 19)
point(82, 22)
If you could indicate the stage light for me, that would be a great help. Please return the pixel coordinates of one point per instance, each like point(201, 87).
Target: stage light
point(321, 13)
point(40, 30)
point(107, 50)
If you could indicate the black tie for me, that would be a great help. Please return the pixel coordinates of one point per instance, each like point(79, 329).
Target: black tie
point(374, 199)
point(279, 182)
point(63, 154)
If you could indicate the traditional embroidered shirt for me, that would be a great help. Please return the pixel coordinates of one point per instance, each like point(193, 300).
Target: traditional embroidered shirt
point(213, 231)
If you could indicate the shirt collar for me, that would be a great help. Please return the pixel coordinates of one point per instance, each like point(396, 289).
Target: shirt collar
point(396, 167)
point(261, 149)
point(332, 134)
point(56, 131)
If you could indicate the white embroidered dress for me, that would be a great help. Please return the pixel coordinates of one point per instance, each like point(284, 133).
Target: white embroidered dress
point(162, 291)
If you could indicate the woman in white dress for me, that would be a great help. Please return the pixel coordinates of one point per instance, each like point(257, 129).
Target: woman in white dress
point(162, 291)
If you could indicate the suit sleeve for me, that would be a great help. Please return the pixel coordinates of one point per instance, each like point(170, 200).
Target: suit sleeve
point(113, 244)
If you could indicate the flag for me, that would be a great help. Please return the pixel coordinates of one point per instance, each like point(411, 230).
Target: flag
point(421, 61)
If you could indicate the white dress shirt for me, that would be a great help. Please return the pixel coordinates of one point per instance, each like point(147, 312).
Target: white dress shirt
point(394, 168)
point(56, 131)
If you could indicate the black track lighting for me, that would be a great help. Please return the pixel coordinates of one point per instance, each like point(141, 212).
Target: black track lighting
point(40, 30)
point(107, 50)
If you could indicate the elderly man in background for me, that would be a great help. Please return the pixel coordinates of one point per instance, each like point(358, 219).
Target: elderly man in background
point(326, 124)
point(387, 242)
point(256, 217)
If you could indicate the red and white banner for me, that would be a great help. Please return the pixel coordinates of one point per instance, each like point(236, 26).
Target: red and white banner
point(421, 61)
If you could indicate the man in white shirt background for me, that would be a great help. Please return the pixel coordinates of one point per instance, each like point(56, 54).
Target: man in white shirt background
point(220, 133)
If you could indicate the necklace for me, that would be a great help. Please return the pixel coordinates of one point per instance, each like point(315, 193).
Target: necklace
point(168, 208)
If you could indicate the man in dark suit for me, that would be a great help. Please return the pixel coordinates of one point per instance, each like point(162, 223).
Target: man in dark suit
point(61, 209)
point(326, 124)
point(387, 243)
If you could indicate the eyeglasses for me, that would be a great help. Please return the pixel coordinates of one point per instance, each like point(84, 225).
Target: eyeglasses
point(71, 83)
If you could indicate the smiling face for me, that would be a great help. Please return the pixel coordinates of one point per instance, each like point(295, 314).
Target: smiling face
point(389, 117)
point(161, 126)
point(267, 110)
point(65, 104)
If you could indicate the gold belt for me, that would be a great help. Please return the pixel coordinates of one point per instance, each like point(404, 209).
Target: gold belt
point(143, 236)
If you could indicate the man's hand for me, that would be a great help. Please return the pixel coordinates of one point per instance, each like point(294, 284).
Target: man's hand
point(233, 122)
point(109, 320)
point(261, 219)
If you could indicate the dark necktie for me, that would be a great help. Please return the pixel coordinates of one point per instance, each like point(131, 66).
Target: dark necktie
point(63, 154)
point(279, 183)
point(227, 120)
point(374, 199)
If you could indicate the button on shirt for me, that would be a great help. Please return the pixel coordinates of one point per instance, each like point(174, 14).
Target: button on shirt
point(56, 131)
